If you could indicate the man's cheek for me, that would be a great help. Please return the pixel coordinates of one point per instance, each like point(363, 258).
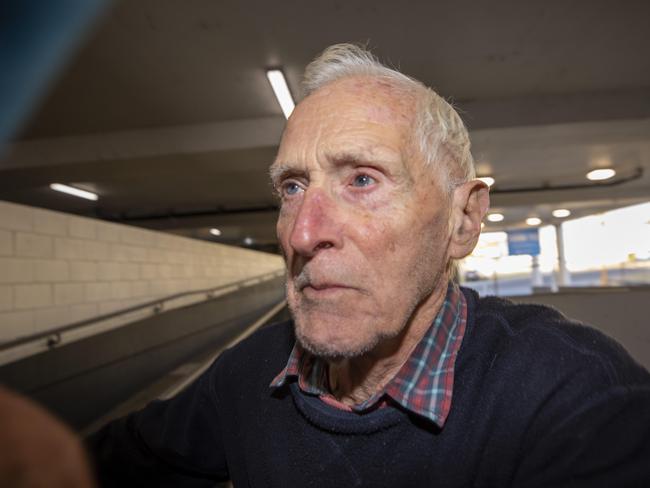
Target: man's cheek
point(282, 229)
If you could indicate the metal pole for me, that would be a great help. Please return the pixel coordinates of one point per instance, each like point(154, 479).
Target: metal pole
point(537, 273)
point(564, 277)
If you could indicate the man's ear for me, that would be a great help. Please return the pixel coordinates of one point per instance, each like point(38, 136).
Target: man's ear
point(470, 203)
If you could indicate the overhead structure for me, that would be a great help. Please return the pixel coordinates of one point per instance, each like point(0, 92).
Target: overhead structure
point(169, 115)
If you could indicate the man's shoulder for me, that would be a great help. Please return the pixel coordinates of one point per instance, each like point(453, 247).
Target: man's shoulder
point(539, 366)
point(540, 336)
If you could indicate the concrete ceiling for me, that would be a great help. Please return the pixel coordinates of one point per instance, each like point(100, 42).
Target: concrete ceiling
point(165, 111)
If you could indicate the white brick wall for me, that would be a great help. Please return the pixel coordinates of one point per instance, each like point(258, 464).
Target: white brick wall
point(51, 223)
point(17, 324)
point(69, 293)
point(17, 217)
point(32, 296)
point(6, 298)
point(107, 271)
point(6, 243)
point(33, 245)
point(98, 292)
point(14, 270)
point(80, 227)
point(83, 271)
point(49, 270)
point(57, 269)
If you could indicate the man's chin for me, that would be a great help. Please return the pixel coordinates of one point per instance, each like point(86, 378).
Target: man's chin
point(332, 352)
point(332, 349)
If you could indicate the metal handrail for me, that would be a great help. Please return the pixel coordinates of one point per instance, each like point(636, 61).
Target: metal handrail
point(53, 336)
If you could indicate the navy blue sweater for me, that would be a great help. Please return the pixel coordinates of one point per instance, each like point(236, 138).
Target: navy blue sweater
point(538, 401)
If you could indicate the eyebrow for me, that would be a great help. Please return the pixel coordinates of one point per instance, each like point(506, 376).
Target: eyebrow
point(367, 157)
point(281, 171)
point(349, 159)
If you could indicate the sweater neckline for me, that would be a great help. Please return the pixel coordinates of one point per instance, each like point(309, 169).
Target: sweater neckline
point(340, 421)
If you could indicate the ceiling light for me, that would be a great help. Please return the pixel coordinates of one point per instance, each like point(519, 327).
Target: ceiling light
point(601, 174)
point(281, 90)
point(495, 217)
point(248, 241)
point(560, 213)
point(70, 190)
point(488, 180)
point(215, 232)
point(533, 221)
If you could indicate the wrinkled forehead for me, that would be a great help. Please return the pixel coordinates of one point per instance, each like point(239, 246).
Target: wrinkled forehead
point(384, 100)
point(354, 101)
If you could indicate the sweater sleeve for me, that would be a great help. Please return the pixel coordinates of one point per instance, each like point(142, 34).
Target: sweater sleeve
point(602, 439)
point(176, 442)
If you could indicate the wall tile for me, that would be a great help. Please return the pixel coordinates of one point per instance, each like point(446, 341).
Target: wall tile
point(97, 292)
point(108, 271)
point(66, 248)
point(16, 324)
point(129, 271)
point(16, 270)
point(16, 217)
point(50, 318)
point(82, 227)
point(68, 293)
point(6, 243)
point(33, 245)
point(6, 298)
point(108, 232)
point(48, 222)
point(83, 271)
point(49, 270)
point(32, 296)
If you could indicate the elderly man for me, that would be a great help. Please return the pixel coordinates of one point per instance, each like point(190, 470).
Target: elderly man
point(390, 374)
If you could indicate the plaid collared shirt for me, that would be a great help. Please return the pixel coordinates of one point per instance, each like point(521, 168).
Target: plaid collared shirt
point(423, 385)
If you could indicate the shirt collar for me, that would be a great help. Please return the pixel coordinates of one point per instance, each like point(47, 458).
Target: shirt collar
point(423, 385)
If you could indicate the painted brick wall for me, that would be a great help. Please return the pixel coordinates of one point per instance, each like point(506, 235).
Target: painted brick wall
point(57, 268)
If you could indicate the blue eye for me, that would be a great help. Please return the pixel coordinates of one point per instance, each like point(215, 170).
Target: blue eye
point(290, 188)
point(363, 180)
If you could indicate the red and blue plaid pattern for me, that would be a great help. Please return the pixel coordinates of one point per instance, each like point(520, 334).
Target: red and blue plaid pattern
point(424, 385)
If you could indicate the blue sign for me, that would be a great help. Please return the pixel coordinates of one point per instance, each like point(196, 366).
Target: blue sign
point(523, 241)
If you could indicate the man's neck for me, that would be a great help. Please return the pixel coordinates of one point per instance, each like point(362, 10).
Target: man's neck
point(355, 380)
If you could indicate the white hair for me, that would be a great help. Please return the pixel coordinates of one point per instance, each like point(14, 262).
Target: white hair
point(439, 133)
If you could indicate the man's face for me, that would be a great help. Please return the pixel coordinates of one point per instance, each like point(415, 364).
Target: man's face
point(363, 226)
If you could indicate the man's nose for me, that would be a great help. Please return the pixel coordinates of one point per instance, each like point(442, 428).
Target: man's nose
point(315, 226)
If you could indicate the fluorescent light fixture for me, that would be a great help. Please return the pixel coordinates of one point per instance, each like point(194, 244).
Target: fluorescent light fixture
point(495, 217)
point(488, 180)
point(215, 232)
point(70, 190)
point(248, 241)
point(601, 174)
point(281, 90)
point(533, 221)
point(561, 213)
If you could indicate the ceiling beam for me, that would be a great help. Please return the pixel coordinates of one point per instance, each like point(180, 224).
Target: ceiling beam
point(219, 136)
point(569, 134)
point(553, 109)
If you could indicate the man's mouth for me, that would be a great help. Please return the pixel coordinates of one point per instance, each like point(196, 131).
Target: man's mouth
point(324, 286)
point(323, 289)
point(311, 285)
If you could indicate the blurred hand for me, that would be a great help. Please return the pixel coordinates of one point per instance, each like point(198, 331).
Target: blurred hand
point(37, 450)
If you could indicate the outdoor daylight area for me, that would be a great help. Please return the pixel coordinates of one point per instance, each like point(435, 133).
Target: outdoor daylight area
point(607, 249)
